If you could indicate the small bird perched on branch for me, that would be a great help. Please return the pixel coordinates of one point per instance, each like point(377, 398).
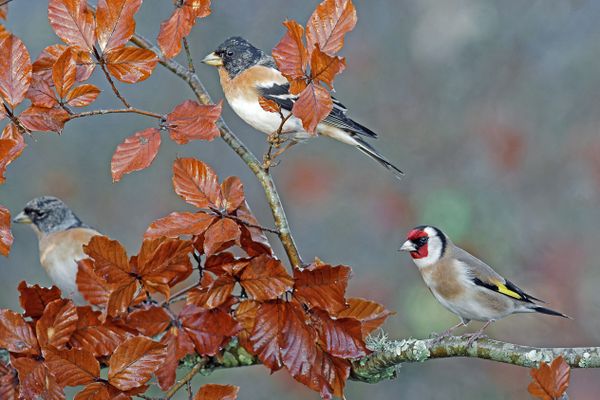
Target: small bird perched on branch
point(61, 236)
point(247, 74)
point(465, 285)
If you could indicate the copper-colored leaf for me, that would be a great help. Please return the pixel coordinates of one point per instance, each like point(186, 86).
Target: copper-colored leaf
point(130, 64)
point(290, 54)
point(217, 392)
point(312, 106)
point(44, 119)
point(192, 121)
point(115, 23)
point(57, 324)
point(110, 259)
point(94, 289)
point(15, 70)
point(136, 153)
point(342, 337)
point(550, 382)
point(34, 299)
point(9, 383)
point(245, 314)
point(233, 194)
point(99, 338)
point(253, 240)
point(11, 147)
point(16, 335)
point(72, 367)
point(3, 10)
point(121, 297)
point(371, 315)
point(6, 237)
point(134, 361)
point(327, 374)
point(324, 68)
point(213, 295)
point(197, 8)
point(269, 105)
point(39, 383)
point(42, 67)
point(173, 30)
point(149, 322)
point(265, 278)
point(73, 22)
point(82, 96)
point(322, 286)
point(179, 344)
point(298, 339)
point(196, 182)
point(209, 329)
point(93, 391)
point(180, 223)
point(64, 72)
point(41, 94)
point(328, 24)
point(266, 336)
point(221, 235)
point(225, 264)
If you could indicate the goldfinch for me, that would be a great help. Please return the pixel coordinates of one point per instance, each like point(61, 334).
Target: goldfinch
point(247, 73)
point(61, 236)
point(465, 285)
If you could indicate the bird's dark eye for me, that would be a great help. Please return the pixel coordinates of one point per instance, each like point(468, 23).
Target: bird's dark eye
point(421, 241)
point(229, 53)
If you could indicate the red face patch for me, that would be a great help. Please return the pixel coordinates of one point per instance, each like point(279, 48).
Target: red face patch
point(421, 252)
point(414, 236)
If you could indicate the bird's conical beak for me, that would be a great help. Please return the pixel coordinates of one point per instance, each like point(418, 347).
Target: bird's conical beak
point(408, 246)
point(213, 59)
point(22, 218)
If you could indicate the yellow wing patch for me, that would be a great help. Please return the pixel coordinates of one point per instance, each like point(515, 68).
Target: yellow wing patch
point(506, 291)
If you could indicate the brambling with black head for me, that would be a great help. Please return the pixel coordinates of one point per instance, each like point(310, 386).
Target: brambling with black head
point(247, 73)
point(61, 236)
point(465, 285)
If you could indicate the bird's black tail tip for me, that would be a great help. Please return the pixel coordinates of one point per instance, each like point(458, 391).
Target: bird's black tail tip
point(544, 310)
point(374, 154)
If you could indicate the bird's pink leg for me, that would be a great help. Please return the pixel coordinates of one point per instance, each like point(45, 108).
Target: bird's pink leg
point(477, 335)
point(448, 331)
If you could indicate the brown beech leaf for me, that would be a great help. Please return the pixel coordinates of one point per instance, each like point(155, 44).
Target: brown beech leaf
point(342, 337)
point(130, 64)
point(64, 72)
point(328, 24)
point(192, 121)
point(253, 240)
point(40, 93)
point(82, 96)
point(149, 322)
point(93, 391)
point(34, 299)
point(178, 224)
point(134, 361)
point(213, 295)
point(245, 314)
point(550, 382)
point(110, 259)
point(39, 382)
point(298, 339)
point(3, 10)
point(322, 286)
point(16, 335)
point(136, 153)
point(233, 194)
point(15, 70)
point(99, 338)
point(290, 54)
point(196, 182)
point(173, 30)
point(44, 119)
point(209, 329)
point(9, 383)
point(324, 68)
point(57, 324)
point(265, 278)
point(72, 367)
point(269, 105)
point(312, 106)
point(327, 374)
point(223, 233)
point(371, 315)
point(94, 289)
point(179, 345)
point(6, 237)
point(73, 22)
point(42, 67)
point(217, 392)
point(266, 337)
point(114, 22)
point(121, 297)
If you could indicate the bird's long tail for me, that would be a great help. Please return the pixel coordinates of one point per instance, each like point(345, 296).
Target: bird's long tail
point(369, 150)
point(544, 310)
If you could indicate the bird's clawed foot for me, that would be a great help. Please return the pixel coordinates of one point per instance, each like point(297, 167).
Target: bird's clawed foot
point(477, 335)
point(275, 142)
point(437, 339)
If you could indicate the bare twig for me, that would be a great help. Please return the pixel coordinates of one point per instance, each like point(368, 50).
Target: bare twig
point(265, 179)
point(116, 111)
point(249, 225)
point(274, 142)
point(188, 54)
point(109, 79)
point(188, 377)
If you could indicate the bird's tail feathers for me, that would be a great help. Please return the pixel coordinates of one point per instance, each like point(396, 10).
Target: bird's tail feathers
point(369, 150)
point(544, 310)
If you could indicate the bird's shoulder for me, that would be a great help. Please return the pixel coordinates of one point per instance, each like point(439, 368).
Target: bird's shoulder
point(444, 278)
point(248, 82)
point(56, 245)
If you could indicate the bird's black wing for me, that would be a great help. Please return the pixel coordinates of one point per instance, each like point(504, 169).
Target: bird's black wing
point(280, 94)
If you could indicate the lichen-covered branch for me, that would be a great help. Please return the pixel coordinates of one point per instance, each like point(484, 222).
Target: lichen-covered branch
point(236, 144)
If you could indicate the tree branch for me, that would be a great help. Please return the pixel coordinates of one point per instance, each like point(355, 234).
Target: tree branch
point(265, 179)
point(116, 111)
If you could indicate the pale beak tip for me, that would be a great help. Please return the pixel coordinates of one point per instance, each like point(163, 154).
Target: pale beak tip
point(213, 59)
point(21, 218)
point(407, 246)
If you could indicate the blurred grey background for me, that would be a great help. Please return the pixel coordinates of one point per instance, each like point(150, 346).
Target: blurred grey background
point(491, 108)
